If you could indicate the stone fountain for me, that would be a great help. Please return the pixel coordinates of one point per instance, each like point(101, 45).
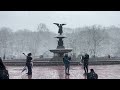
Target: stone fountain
point(60, 50)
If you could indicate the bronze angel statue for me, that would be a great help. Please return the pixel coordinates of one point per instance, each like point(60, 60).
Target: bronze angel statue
point(60, 27)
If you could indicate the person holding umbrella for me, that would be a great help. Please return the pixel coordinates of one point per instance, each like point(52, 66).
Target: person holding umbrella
point(29, 63)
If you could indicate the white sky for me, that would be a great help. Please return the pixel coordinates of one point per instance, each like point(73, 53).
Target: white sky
point(30, 19)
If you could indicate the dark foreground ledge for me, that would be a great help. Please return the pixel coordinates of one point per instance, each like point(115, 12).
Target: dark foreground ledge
point(51, 63)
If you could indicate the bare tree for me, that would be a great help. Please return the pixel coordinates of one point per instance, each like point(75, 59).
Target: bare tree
point(4, 38)
point(96, 35)
point(87, 39)
point(42, 27)
point(34, 43)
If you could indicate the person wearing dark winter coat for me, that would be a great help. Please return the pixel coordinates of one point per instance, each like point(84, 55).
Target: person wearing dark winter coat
point(66, 61)
point(92, 75)
point(3, 72)
point(85, 63)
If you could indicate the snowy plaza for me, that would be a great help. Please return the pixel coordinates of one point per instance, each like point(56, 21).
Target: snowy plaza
point(57, 72)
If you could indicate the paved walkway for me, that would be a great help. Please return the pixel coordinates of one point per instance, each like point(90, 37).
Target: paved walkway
point(57, 72)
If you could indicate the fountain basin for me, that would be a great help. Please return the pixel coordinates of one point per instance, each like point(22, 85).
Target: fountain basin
point(61, 50)
point(60, 36)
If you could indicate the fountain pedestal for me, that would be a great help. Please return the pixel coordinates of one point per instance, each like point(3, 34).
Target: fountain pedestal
point(60, 50)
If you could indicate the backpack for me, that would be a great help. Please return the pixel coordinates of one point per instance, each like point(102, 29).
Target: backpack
point(65, 60)
point(86, 56)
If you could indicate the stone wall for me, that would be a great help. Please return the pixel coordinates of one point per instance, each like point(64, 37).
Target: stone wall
point(49, 63)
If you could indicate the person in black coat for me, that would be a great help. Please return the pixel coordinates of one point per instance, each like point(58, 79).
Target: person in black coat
point(66, 61)
point(85, 63)
point(92, 75)
point(3, 72)
point(29, 63)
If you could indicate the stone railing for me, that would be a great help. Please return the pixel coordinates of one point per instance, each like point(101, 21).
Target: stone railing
point(48, 61)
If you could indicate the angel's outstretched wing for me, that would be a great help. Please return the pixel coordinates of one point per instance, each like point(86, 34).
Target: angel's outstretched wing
point(56, 24)
point(63, 24)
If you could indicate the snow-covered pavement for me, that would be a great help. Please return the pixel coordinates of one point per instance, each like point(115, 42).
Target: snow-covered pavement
point(57, 72)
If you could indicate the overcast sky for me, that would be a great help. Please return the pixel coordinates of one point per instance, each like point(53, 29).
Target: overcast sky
point(30, 19)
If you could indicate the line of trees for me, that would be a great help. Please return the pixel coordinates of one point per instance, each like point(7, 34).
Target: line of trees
point(13, 44)
point(94, 40)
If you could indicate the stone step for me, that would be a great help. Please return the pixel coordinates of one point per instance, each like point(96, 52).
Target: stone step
point(50, 63)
